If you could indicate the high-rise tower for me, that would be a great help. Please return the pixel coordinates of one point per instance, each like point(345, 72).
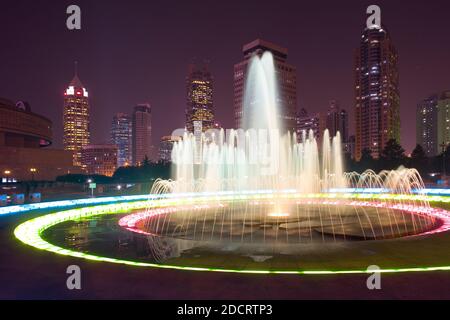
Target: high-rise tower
point(286, 76)
point(377, 99)
point(199, 93)
point(76, 118)
point(142, 133)
point(121, 136)
point(337, 120)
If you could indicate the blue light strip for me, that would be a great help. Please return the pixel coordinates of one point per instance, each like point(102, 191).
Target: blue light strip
point(68, 203)
point(425, 191)
point(104, 200)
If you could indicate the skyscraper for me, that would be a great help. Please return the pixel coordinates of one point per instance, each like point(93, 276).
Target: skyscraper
point(306, 122)
point(286, 75)
point(121, 136)
point(166, 146)
point(199, 93)
point(426, 125)
point(337, 120)
point(76, 118)
point(377, 100)
point(443, 126)
point(142, 133)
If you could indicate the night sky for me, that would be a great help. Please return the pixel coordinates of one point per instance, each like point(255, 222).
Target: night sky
point(130, 52)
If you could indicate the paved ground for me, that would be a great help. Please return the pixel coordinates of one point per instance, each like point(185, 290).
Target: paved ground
point(26, 273)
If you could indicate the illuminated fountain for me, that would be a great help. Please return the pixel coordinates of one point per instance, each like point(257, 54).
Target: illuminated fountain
point(289, 173)
point(257, 200)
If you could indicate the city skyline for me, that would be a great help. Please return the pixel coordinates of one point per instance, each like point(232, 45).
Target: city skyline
point(151, 66)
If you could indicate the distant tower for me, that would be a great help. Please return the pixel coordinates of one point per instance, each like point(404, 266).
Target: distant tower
point(426, 125)
point(166, 146)
point(121, 136)
point(306, 122)
point(287, 79)
point(377, 99)
point(199, 92)
point(76, 118)
point(337, 120)
point(443, 120)
point(142, 133)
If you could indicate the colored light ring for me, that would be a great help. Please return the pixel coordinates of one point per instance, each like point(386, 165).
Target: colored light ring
point(30, 232)
point(431, 195)
point(130, 222)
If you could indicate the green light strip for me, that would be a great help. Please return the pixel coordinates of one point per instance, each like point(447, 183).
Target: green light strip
point(30, 231)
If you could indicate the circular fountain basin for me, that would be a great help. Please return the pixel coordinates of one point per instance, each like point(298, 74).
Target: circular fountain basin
point(122, 233)
point(301, 222)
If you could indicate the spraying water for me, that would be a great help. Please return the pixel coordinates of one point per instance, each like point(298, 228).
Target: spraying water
point(259, 155)
point(262, 158)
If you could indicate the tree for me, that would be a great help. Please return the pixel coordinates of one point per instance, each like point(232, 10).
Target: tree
point(419, 160)
point(146, 162)
point(392, 155)
point(366, 161)
point(418, 153)
point(366, 155)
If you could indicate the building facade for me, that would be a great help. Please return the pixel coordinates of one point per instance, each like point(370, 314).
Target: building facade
point(121, 136)
point(377, 99)
point(199, 104)
point(166, 146)
point(443, 125)
point(25, 138)
point(306, 123)
point(76, 119)
point(286, 76)
point(99, 159)
point(426, 125)
point(349, 147)
point(142, 133)
point(337, 121)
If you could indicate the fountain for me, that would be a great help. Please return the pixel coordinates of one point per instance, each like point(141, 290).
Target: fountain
point(262, 158)
point(259, 200)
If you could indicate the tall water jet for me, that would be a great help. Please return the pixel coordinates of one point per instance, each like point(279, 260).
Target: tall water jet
point(260, 155)
point(279, 187)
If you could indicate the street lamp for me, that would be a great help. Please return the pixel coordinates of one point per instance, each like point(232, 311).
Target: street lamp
point(91, 186)
point(7, 173)
point(33, 171)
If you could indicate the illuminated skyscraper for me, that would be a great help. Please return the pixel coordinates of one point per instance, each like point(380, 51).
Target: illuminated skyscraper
point(306, 122)
point(199, 110)
point(426, 125)
point(142, 133)
point(286, 76)
point(443, 120)
point(121, 136)
point(76, 118)
point(337, 120)
point(377, 99)
point(166, 146)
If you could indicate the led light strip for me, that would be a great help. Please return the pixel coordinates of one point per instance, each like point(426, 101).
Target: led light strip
point(431, 195)
point(30, 231)
point(130, 222)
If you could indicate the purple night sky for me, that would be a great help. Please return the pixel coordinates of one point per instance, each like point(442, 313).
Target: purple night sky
point(134, 51)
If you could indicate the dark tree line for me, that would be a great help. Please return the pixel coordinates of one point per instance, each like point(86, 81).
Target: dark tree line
point(393, 156)
point(144, 173)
